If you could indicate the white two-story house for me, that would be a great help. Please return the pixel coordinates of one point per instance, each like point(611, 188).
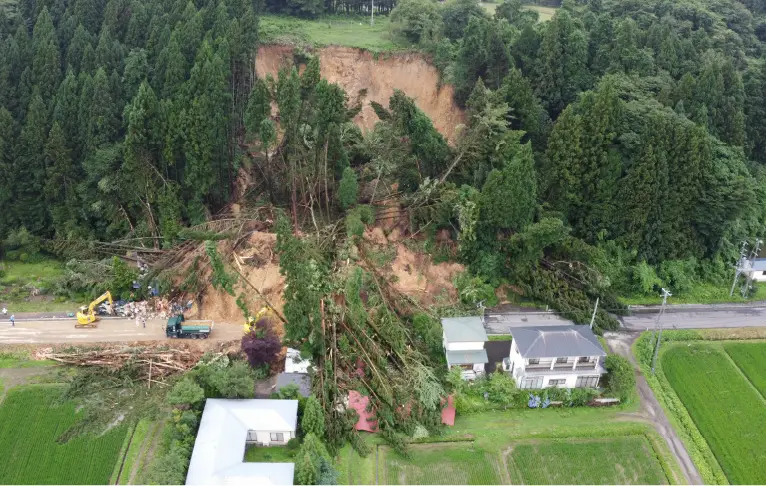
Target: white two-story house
point(464, 339)
point(561, 356)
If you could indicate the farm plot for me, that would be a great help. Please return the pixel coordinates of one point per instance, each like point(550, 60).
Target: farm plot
point(624, 460)
point(456, 463)
point(31, 421)
point(751, 359)
point(724, 407)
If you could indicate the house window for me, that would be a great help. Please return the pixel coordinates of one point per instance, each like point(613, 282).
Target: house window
point(561, 360)
point(557, 382)
point(586, 382)
point(764, 273)
point(582, 359)
point(277, 437)
point(528, 383)
point(534, 361)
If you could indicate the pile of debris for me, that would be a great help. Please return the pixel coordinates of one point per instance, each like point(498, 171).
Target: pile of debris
point(154, 364)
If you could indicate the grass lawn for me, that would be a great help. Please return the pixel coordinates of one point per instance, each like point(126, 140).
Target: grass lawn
point(30, 273)
point(15, 363)
point(624, 460)
point(31, 453)
point(269, 454)
point(332, 30)
point(493, 436)
point(751, 359)
point(546, 13)
point(446, 463)
point(723, 405)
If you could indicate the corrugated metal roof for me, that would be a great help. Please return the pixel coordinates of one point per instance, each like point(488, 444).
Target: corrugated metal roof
point(478, 356)
point(301, 379)
point(556, 341)
point(464, 329)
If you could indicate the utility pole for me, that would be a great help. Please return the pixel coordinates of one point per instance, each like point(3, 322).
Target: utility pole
point(665, 295)
point(593, 317)
point(740, 266)
point(750, 266)
point(372, 13)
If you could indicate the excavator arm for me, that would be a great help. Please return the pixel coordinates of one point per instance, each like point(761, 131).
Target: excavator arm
point(105, 296)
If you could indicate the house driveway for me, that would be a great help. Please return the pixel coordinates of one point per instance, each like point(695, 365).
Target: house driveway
point(496, 351)
point(650, 409)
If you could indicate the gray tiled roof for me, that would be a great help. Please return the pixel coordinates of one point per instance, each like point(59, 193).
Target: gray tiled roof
point(556, 341)
point(464, 329)
point(478, 356)
point(301, 379)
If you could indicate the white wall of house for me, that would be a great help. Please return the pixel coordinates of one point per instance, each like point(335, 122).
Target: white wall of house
point(545, 371)
point(758, 275)
point(561, 381)
point(462, 346)
point(265, 438)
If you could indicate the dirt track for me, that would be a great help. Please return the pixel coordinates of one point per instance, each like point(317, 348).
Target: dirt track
point(108, 330)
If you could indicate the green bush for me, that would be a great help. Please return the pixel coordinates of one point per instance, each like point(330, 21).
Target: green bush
point(644, 279)
point(621, 378)
point(22, 245)
point(473, 290)
point(186, 393)
point(348, 189)
point(293, 444)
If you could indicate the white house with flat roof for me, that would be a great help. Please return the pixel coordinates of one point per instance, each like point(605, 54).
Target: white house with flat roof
point(464, 339)
point(560, 356)
point(756, 269)
point(227, 426)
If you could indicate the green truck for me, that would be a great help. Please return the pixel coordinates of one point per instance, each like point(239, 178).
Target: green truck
point(177, 329)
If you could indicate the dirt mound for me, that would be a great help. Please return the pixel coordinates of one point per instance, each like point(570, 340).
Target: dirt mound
point(374, 79)
point(260, 265)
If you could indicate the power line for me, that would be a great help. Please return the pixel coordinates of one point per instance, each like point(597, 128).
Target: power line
point(658, 323)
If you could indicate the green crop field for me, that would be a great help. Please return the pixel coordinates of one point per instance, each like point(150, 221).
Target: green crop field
point(455, 463)
point(31, 421)
point(724, 407)
point(331, 31)
point(624, 460)
point(751, 359)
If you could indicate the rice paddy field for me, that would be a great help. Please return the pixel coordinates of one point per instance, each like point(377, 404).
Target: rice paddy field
point(449, 463)
point(721, 386)
point(33, 454)
point(624, 460)
point(613, 460)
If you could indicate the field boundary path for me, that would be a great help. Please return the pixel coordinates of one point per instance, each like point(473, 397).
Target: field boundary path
point(650, 409)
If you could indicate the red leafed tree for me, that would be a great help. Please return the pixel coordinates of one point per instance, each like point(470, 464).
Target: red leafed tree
point(261, 345)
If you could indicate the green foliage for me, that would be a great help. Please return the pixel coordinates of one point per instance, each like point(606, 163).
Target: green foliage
point(475, 290)
point(312, 462)
point(221, 278)
point(416, 20)
point(22, 246)
point(645, 279)
point(293, 444)
point(621, 378)
point(186, 393)
point(348, 189)
point(123, 276)
point(313, 418)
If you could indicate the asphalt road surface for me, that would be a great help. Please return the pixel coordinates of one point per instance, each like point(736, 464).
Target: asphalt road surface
point(675, 317)
point(702, 317)
point(108, 330)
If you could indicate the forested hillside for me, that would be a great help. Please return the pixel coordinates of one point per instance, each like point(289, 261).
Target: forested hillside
point(613, 149)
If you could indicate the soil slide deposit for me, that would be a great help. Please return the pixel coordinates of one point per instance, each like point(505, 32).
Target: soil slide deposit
point(358, 71)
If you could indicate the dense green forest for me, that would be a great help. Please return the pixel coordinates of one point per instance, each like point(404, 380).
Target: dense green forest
point(611, 150)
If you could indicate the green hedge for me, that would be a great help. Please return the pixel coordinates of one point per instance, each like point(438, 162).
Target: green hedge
point(696, 445)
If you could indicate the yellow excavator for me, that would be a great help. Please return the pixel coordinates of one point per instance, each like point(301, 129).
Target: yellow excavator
point(249, 325)
point(87, 317)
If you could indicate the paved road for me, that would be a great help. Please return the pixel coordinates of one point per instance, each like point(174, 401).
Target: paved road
point(651, 411)
point(701, 317)
point(108, 330)
point(675, 317)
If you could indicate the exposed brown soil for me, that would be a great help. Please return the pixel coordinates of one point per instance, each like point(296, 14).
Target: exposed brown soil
point(363, 76)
